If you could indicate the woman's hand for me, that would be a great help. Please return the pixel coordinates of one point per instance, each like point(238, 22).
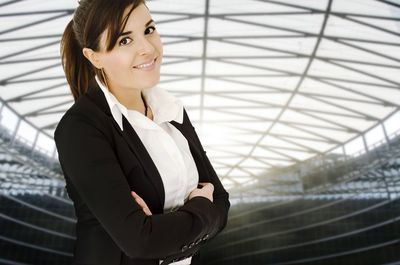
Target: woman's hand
point(141, 203)
point(206, 191)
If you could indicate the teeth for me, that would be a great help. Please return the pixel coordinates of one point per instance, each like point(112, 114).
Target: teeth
point(145, 65)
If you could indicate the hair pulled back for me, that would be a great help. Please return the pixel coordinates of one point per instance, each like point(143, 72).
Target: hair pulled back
point(91, 18)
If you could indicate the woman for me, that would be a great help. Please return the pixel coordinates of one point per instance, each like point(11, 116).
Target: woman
point(143, 188)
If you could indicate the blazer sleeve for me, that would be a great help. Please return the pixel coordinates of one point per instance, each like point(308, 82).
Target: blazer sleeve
point(89, 162)
point(221, 196)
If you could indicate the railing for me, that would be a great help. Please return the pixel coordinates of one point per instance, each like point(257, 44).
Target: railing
point(332, 170)
point(14, 139)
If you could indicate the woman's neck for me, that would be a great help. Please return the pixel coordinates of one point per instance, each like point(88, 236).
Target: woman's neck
point(130, 98)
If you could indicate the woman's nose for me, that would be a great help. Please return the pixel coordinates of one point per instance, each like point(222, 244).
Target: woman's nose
point(145, 46)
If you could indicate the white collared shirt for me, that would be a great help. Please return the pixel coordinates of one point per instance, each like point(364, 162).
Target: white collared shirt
point(166, 145)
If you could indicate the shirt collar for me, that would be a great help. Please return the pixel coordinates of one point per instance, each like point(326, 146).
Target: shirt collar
point(164, 105)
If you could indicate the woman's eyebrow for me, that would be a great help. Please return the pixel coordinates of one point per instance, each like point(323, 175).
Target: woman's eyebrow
point(149, 22)
point(129, 32)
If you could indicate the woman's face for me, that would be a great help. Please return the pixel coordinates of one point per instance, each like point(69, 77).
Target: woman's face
point(135, 60)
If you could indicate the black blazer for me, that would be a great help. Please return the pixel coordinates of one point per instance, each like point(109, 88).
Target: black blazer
point(102, 164)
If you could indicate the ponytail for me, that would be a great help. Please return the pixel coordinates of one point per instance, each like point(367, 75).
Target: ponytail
point(78, 70)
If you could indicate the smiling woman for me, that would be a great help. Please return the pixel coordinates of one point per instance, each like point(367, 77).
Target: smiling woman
point(134, 63)
point(143, 189)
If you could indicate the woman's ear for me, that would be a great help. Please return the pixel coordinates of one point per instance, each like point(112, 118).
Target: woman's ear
point(92, 57)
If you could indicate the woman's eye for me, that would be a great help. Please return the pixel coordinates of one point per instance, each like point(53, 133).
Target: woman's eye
point(151, 29)
point(125, 41)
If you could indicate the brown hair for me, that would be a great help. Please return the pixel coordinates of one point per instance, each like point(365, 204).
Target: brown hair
point(90, 20)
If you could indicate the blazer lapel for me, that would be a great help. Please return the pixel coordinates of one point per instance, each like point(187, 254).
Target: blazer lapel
point(133, 141)
point(196, 151)
point(144, 157)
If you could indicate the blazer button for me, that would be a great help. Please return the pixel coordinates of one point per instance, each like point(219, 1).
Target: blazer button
point(205, 237)
point(191, 245)
point(198, 241)
point(184, 248)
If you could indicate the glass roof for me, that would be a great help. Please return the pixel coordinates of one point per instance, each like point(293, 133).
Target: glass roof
point(266, 83)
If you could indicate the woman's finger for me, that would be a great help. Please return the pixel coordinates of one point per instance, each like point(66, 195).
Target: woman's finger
point(141, 203)
point(134, 194)
point(147, 211)
point(209, 186)
point(137, 197)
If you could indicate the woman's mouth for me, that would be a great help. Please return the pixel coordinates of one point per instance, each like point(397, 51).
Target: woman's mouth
point(148, 66)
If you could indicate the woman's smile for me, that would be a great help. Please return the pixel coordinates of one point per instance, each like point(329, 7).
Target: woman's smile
point(148, 66)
